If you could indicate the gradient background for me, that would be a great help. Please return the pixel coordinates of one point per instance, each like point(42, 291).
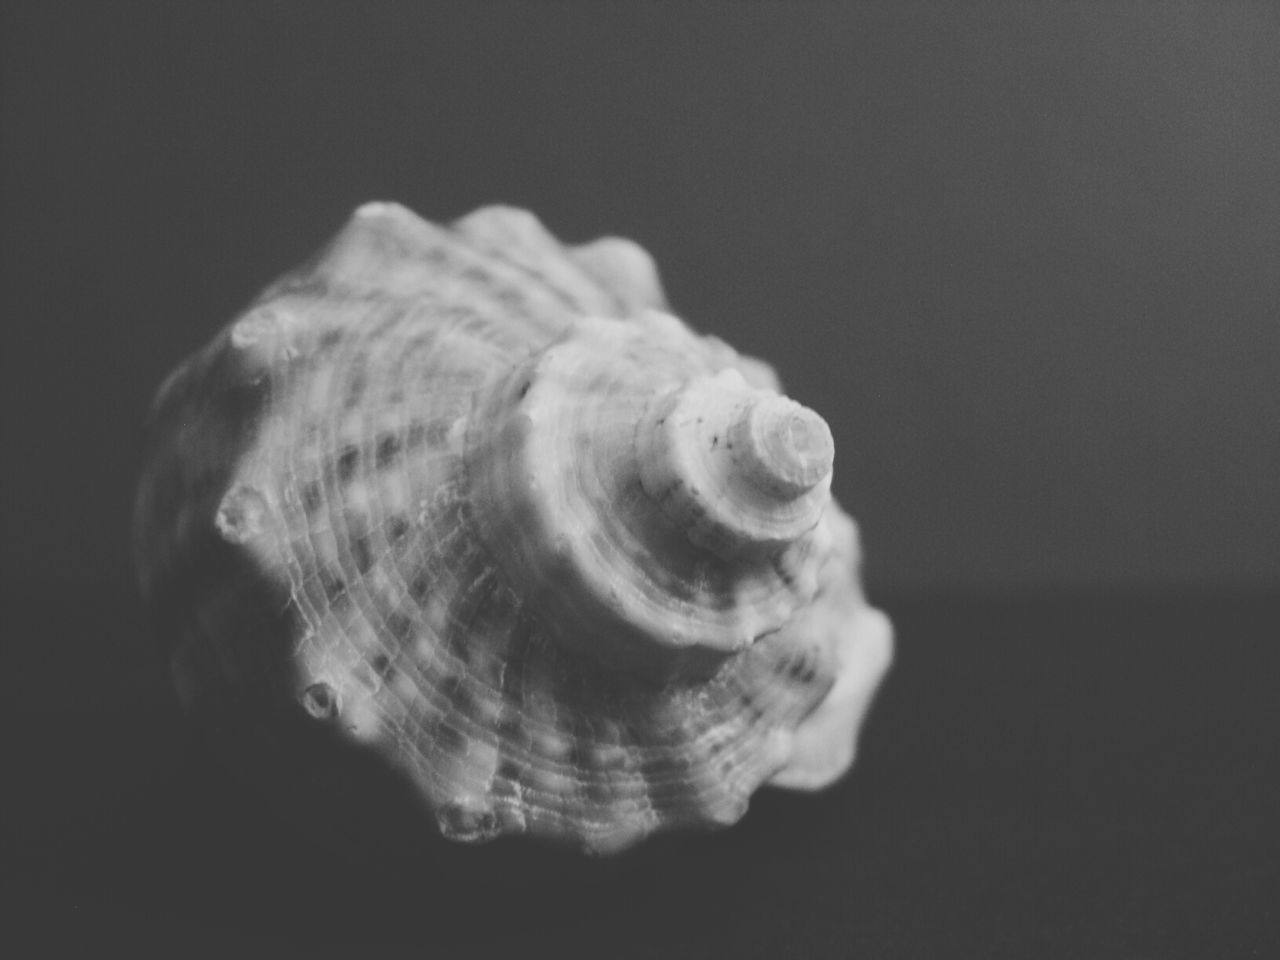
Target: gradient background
point(1024, 258)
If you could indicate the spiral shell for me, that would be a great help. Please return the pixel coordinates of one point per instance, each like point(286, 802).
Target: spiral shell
point(475, 504)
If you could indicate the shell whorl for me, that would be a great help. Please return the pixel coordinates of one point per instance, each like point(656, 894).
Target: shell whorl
point(478, 503)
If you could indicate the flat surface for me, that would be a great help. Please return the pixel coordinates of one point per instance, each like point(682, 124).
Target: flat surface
point(1065, 776)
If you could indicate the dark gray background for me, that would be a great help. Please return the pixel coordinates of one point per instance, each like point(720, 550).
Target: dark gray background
point(1023, 257)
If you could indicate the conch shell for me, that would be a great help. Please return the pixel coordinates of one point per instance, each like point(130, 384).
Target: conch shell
point(474, 503)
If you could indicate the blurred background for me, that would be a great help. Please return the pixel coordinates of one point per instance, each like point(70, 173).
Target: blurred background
point(1023, 257)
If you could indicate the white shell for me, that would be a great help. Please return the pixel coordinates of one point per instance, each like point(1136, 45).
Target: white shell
point(476, 505)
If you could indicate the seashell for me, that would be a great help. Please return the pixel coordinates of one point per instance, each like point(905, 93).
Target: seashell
point(472, 506)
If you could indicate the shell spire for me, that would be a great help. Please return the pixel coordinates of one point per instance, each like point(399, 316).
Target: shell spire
point(658, 534)
point(745, 471)
point(473, 507)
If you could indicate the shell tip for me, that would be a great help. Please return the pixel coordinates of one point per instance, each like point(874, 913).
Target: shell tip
point(789, 447)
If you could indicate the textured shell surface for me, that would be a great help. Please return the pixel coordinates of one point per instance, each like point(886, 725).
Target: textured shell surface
point(472, 506)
